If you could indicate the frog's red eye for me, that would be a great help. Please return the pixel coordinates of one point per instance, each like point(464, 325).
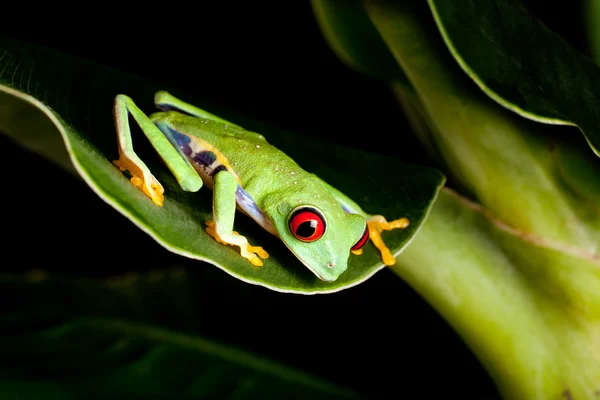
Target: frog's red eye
point(363, 239)
point(307, 224)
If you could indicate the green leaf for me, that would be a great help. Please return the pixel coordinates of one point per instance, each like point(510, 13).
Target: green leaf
point(76, 97)
point(73, 339)
point(521, 64)
point(504, 161)
point(352, 36)
point(591, 11)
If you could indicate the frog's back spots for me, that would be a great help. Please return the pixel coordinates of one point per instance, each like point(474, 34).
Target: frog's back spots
point(182, 141)
point(187, 150)
point(205, 158)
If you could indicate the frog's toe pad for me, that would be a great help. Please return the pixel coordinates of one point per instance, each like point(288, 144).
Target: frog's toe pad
point(257, 262)
point(259, 251)
point(151, 188)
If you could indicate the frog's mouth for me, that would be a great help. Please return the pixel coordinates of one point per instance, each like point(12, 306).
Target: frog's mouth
point(309, 267)
point(314, 272)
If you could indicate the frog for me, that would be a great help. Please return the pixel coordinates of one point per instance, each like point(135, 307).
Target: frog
point(320, 225)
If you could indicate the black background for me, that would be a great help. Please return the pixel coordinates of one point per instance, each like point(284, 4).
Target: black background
point(270, 61)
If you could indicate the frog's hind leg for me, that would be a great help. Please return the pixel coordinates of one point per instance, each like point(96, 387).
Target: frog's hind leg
point(128, 160)
point(166, 102)
point(221, 228)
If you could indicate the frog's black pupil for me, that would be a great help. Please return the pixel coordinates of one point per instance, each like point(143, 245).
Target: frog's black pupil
point(307, 228)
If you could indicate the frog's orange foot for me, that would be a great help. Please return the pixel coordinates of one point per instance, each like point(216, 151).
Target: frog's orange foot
point(378, 224)
point(251, 253)
point(143, 179)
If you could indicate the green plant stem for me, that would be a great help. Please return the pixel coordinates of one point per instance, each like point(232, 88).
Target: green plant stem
point(533, 344)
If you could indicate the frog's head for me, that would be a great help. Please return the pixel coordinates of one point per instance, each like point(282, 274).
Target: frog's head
point(321, 235)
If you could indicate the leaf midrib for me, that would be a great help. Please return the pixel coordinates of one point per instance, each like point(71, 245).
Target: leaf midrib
point(527, 237)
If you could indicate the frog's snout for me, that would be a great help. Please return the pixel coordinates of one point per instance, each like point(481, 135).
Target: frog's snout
point(329, 273)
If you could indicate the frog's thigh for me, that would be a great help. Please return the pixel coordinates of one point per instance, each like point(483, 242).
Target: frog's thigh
point(221, 228)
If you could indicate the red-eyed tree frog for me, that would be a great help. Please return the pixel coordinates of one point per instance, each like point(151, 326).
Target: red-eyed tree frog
point(317, 223)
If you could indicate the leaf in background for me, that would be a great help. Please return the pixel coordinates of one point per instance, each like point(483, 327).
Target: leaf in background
point(73, 339)
point(517, 276)
point(77, 97)
point(502, 159)
point(579, 173)
point(364, 50)
point(591, 12)
point(352, 36)
point(521, 64)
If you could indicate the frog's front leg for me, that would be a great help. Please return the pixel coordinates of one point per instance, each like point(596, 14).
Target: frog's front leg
point(128, 160)
point(221, 228)
point(378, 224)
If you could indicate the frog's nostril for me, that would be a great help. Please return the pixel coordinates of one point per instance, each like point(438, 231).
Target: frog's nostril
point(330, 264)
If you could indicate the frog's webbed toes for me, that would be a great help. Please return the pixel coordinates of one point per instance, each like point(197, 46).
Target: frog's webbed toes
point(377, 224)
point(142, 178)
point(249, 252)
point(151, 188)
point(258, 250)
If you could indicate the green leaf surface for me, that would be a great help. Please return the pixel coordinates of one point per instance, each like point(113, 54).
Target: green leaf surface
point(41, 85)
point(521, 64)
point(73, 339)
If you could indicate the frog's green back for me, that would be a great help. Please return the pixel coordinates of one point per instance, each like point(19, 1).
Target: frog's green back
point(259, 167)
